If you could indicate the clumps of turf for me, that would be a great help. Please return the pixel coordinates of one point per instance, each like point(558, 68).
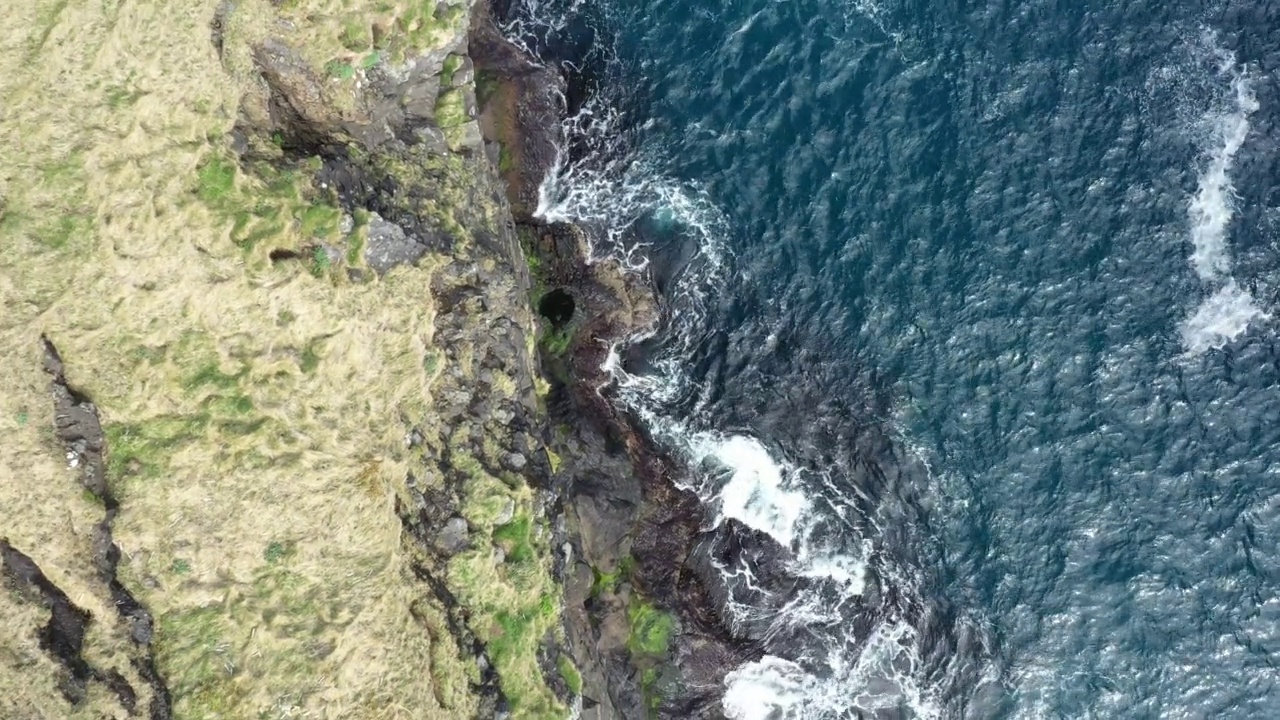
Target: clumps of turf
point(451, 114)
point(197, 654)
point(356, 35)
point(428, 24)
point(220, 393)
point(309, 359)
point(276, 207)
point(365, 34)
point(49, 208)
point(514, 539)
point(340, 69)
point(205, 650)
point(216, 180)
point(59, 233)
point(320, 262)
point(319, 220)
point(210, 375)
point(507, 587)
point(142, 449)
point(276, 551)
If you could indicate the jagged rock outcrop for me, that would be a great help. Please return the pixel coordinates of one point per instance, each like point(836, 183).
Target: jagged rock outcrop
point(641, 607)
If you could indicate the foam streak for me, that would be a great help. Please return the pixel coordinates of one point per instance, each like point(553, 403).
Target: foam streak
point(1227, 313)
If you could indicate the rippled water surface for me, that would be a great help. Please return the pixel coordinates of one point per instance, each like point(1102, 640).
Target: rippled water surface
point(970, 309)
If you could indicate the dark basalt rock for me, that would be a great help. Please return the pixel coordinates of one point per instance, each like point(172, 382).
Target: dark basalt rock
point(525, 112)
point(77, 425)
point(628, 519)
point(628, 514)
point(63, 636)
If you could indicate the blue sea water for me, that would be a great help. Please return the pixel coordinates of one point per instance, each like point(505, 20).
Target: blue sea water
point(969, 307)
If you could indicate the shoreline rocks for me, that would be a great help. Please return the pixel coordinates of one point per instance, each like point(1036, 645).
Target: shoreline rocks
point(635, 535)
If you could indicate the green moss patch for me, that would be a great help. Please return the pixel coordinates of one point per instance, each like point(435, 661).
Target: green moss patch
point(651, 630)
point(606, 583)
point(210, 375)
point(216, 180)
point(556, 341)
point(451, 65)
point(270, 205)
point(48, 208)
point(514, 604)
point(514, 538)
point(319, 221)
point(569, 673)
point(198, 654)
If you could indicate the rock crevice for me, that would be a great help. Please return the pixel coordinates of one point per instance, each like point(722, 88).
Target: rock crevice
point(78, 428)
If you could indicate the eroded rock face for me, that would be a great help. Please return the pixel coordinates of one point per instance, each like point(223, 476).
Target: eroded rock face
point(643, 614)
point(522, 113)
point(639, 540)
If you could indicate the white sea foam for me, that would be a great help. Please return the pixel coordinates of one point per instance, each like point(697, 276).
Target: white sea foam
point(539, 18)
point(884, 675)
point(768, 689)
point(1229, 310)
point(615, 194)
point(1213, 204)
point(1220, 318)
point(743, 481)
point(756, 493)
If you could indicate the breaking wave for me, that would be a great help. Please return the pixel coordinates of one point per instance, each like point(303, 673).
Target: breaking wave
point(1229, 309)
point(617, 191)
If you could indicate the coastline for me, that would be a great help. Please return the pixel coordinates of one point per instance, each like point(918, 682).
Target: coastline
point(637, 537)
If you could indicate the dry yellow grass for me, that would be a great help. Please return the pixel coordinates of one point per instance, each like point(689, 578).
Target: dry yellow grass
point(255, 412)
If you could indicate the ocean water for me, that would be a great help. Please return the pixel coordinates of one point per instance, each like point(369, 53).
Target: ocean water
point(969, 307)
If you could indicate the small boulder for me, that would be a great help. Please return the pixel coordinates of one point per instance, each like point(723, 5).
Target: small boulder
point(389, 245)
point(455, 536)
point(517, 461)
point(506, 514)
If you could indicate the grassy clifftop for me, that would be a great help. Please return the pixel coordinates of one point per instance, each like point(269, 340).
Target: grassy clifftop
point(271, 406)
